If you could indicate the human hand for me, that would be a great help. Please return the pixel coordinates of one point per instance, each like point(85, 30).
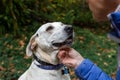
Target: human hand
point(101, 8)
point(70, 57)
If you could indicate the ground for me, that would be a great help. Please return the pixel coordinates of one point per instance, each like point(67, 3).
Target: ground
point(91, 43)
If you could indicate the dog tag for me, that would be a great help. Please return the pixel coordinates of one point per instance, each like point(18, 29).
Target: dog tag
point(65, 70)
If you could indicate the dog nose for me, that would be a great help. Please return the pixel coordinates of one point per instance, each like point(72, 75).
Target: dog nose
point(68, 29)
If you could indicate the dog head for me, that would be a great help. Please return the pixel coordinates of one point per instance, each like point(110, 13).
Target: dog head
point(45, 43)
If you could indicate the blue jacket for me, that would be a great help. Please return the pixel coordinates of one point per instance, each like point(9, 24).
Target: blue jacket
point(87, 70)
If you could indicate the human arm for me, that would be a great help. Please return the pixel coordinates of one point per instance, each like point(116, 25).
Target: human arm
point(118, 74)
point(84, 68)
point(87, 70)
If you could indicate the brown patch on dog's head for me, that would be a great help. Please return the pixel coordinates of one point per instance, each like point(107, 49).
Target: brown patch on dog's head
point(31, 46)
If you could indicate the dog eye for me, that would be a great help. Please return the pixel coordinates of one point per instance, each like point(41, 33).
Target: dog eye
point(49, 28)
point(37, 35)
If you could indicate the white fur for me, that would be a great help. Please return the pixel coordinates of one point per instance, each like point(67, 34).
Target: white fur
point(41, 45)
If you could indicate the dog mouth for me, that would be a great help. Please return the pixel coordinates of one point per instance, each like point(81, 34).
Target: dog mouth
point(67, 42)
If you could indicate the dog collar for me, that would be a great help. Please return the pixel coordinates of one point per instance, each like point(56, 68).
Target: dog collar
point(45, 65)
point(53, 67)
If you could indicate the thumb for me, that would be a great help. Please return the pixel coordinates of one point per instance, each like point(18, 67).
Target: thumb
point(61, 55)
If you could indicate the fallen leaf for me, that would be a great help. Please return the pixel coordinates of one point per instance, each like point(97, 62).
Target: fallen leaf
point(113, 76)
point(26, 57)
point(21, 43)
point(2, 68)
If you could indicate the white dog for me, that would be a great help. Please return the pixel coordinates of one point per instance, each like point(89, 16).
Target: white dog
point(44, 46)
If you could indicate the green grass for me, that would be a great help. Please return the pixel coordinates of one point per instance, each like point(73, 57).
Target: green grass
point(96, 47)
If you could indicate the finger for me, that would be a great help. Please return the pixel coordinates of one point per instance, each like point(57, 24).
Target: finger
point(68, 65)
point(66, 48)
point(61, 55)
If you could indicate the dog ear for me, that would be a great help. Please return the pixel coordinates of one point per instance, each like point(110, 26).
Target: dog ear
point(31, 45)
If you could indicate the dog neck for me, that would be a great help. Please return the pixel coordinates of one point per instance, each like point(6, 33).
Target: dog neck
point(45, 65)
point(50, 57)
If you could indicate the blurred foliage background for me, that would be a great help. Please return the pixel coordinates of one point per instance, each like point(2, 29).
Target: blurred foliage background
point(19, 19)
point(18, 14)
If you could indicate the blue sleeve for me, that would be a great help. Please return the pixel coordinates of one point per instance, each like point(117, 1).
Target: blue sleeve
point(87, 70)
point(118, 75)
